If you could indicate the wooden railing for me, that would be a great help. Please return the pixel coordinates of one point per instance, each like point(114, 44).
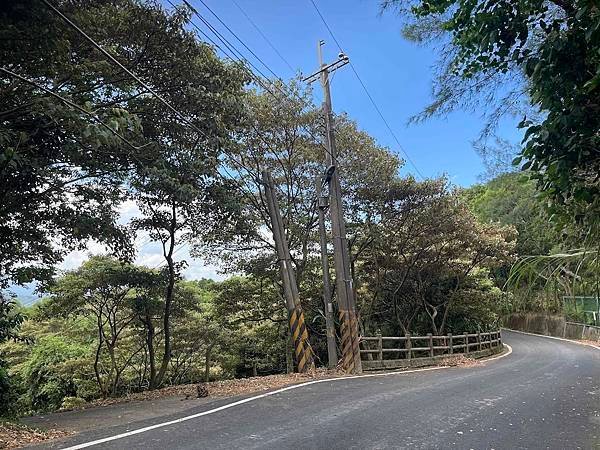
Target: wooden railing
point(410, 347)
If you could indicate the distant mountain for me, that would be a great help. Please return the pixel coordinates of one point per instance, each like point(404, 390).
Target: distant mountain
point(26, 295)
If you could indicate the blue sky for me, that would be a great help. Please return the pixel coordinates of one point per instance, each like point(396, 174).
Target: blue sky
point(397, 73)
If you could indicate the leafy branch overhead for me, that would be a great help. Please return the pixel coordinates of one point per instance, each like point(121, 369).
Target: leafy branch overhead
point(546, 52)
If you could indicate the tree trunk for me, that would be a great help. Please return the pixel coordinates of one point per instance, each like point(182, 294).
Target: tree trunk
point(207, 364)
point(151, 352)
point(114, 372)
point(97, 361)
point(168, 299)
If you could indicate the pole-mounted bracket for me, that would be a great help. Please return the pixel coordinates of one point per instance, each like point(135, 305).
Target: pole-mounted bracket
point(340, 62)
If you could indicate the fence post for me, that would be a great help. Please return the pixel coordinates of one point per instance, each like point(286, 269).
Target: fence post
point(466, 342)
point(451, 350)
point(478, 340)
point(408, 347)
point(430, 344)
point(379, 346)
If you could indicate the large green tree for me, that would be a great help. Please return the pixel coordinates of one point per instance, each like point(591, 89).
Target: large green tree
point(512, 199)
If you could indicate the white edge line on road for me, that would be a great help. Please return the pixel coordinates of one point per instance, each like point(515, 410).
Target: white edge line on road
point(256, 397)
point(572, 341)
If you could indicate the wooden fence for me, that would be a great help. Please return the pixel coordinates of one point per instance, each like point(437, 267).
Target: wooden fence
point(388, 352)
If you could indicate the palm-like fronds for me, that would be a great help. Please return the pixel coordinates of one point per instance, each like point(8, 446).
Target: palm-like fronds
point(569, 269)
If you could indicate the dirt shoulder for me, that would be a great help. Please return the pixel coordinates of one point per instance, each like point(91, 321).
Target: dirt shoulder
point(220, 389)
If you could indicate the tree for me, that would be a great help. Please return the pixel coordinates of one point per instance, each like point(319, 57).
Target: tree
point(10, 322)
point(511, 199)
point(60, 169)
point(283, 136)
point(423, 248)
point(66, 165)
point(105, 289)
point(182, 196)
point(552, 46)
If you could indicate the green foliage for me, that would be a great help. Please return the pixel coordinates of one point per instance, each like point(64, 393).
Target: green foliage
point(105, 291)
point(53, 371)
point(422, 249)
point(553, 47)
point(511, 199)
point(10, 322)
point(62, 175)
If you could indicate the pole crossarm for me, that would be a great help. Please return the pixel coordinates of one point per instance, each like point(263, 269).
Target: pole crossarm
point(329, 68)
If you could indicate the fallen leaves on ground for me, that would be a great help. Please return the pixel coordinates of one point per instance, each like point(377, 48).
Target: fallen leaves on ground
point(460, 361)
point(592, 343)
point(222, 388)
point(14, 435)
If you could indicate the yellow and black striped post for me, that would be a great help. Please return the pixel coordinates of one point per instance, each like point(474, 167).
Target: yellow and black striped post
point(302, 348)
point(349, 341)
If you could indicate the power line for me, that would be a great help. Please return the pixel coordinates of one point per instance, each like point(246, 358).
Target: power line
point(233, 34)
point(72, 105)
point(225, 42)
point(115, 61)
point(239, 57)
point(387, 125)
point(267, 40)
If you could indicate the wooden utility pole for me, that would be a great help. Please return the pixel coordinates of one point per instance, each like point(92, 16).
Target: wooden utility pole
point(322, 205)
point(344, 286)
point(302, 348)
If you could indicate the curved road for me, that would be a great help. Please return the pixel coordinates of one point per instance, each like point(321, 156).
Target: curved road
point(546, 394)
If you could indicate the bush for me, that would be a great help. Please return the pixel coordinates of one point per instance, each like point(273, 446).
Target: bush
point(6, 393)
point(52, 372)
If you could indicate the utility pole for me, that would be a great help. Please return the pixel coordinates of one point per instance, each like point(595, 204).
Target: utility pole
point(322, 205)
point(344, 286)
point(302, 348)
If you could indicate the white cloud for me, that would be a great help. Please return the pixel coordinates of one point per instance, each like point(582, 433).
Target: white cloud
point(77, 257)
point(127, 211)
point(148, 252)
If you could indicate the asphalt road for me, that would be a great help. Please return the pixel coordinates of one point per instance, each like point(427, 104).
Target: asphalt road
point(546, 394)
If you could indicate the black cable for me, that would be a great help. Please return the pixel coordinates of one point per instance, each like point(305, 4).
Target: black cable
point(72, 105)
point(115, 61)
point(234, 35)
point(267, 40)
point(368, 93)
point(239, 57)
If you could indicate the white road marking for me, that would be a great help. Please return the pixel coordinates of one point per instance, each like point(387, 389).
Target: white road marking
point(572, 341)
point(256, 397)
point(502, 355)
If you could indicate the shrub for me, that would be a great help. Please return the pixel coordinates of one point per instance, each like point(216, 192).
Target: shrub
point(52, 372)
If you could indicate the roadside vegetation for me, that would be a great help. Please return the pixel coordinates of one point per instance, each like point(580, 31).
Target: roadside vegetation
point(426, 256)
